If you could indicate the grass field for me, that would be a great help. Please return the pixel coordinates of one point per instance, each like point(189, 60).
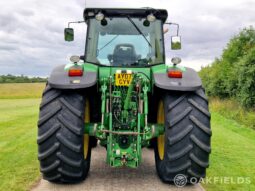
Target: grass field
point(21, 90)
point(18, 149)
point(233, 145)
point(233, 155)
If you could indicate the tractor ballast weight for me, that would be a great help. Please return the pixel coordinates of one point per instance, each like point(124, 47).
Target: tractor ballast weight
point(125, 96)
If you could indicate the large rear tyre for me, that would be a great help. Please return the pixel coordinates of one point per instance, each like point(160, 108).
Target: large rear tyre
point(185, 146)
point(63, 149)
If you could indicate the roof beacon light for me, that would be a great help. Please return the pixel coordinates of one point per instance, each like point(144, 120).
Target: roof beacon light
point(99, 16)
point(151, 17)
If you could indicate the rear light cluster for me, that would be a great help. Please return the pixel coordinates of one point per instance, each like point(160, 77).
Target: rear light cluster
point(75, 71)
point(173, 73)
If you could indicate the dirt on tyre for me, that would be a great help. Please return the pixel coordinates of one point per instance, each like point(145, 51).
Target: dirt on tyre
point(63, 150)
point(185, 146)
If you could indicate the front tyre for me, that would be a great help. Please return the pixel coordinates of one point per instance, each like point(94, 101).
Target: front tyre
point(185, 146)
point(63, 149)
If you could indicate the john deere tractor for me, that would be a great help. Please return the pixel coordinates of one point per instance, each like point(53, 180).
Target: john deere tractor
point(123, 95)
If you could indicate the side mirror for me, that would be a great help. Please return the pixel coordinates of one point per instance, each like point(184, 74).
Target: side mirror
point(69, 34)
point(176, 43)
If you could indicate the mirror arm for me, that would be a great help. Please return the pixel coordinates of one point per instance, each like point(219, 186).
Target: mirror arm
point(75, 22)
point(82, 57)
point(177, 25)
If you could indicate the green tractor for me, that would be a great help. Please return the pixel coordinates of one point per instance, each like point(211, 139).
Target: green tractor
point(122, 95)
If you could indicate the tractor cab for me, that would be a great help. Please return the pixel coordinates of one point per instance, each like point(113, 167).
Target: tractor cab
point(124, 37)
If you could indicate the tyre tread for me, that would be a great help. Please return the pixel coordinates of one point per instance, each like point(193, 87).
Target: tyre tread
point(59, 140)
point(187, 136)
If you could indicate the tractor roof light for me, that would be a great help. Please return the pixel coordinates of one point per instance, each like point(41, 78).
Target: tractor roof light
point(151, 17)
point(99, 16)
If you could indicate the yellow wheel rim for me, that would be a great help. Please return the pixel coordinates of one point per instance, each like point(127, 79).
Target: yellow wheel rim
point(161, 138)
point(86, 136)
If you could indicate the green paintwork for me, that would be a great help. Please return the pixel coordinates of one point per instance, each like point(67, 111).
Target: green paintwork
point(182, 68)
point(123, 129)
point(68, 66)
point(90, 67)
point(86, 66)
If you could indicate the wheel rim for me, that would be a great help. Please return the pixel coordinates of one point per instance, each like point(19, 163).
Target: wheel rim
point(161, 138)
point(86, 136)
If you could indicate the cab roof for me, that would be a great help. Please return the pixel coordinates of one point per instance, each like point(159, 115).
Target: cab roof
point(114, 12)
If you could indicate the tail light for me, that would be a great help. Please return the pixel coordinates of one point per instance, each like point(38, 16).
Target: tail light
point(75, 71)
point(174, 73)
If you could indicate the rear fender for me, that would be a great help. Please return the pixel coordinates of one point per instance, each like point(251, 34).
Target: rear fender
point(59, 78)
point(190, 80)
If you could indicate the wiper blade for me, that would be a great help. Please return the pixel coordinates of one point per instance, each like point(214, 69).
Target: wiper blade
point(109, 42)
point(137, 28)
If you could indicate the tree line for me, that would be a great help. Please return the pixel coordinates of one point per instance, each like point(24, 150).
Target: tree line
point(20, 79)
point(233, 74)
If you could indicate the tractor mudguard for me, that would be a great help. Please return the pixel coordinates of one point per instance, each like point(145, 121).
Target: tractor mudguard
point(59, 79)
point(190, 81)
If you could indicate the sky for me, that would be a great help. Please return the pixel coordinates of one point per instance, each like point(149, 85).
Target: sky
point(32, 41)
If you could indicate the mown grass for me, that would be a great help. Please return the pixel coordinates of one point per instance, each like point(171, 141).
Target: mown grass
point(231, 109)
point(233, 156)
point(21, 90)
point(18, 150)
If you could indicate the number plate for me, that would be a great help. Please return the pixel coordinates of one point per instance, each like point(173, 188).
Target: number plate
point(123, 79)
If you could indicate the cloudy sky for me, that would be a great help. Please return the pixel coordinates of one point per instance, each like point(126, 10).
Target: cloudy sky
point(31, 31)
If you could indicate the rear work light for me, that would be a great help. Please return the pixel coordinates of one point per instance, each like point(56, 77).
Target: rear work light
point(174, 74)
point(75, 71)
